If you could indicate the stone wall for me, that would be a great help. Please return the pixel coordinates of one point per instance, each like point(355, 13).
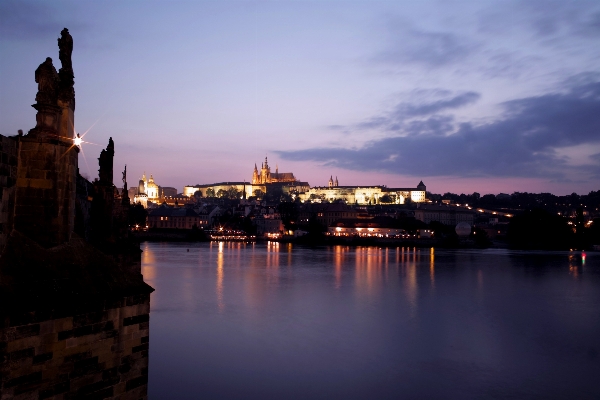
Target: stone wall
point(46, 190)
point(83, 207)
point(8, 178)
point(95, 352)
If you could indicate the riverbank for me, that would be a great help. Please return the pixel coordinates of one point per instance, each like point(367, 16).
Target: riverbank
point(321, 240)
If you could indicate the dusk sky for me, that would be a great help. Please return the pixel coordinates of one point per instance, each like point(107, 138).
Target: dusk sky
point(486, 96)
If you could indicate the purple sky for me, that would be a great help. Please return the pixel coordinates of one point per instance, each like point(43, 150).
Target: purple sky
point(486, 96)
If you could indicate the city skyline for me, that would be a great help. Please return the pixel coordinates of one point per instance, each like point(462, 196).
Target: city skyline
point(489, 97)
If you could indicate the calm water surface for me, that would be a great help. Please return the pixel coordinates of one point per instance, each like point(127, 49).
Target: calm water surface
point(271, 321)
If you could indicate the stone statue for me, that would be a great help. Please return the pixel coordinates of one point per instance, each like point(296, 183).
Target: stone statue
point(65, 49)
point(66, 92)
point(47, 80)
point(125, 175)
point(105, 161)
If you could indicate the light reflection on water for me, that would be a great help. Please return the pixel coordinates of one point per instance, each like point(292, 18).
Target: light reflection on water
point(237, 320)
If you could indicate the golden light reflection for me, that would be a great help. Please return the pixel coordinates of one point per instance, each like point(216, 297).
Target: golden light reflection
point(148, 263)
point(368, 270)
point(387, 256)
point(432, 266)
point(220, 301)
point(338, 261)
point(273, 262)
point(410, 283)
point(575, 268)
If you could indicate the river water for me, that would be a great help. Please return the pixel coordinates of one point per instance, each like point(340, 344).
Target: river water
point(280, 321)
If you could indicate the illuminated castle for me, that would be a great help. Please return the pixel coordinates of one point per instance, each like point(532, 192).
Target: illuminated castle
point(266, 176)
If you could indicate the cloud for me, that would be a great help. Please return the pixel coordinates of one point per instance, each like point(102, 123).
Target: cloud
point(460, 100)
point(427, 48)
point(29, 20)
point(559, 17)
point(420, 114)
point(521, 143)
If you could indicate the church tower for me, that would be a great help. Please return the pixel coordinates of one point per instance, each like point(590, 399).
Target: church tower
point(265, 172)
point(255, 179)
point(331, 181)
point(336, 184)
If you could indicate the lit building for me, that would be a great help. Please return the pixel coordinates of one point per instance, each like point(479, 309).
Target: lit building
point(265, 176)
point(213, 189)
point(268, 224)
point(447, 215)
point(365, 194)
point(147, 191)
point(175, 218)
point(262, 181)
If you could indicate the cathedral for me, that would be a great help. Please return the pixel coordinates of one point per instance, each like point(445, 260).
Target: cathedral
point(147, 191)
point(266, 176)
point(148, 187)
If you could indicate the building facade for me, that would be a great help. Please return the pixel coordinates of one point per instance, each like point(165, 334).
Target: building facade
point(265, 176)
point(175, 218)
point(365, 194)
point(446, 215)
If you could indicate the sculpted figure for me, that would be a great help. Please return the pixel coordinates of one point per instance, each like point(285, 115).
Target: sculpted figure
point(125, 175)
point(47, 80)
point(65, 48)
point(105, 161)
point(66, 92)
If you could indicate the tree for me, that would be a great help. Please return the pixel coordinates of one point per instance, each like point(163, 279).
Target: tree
point(386, 199)
point(210, 192)
point(289, 214)
point(258, 193)
point(539, 229)
point(274, 194)
point(232, 193)
point(137, 215)
point(480, 237)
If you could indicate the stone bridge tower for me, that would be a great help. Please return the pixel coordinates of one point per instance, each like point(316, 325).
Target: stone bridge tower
point(48, 159)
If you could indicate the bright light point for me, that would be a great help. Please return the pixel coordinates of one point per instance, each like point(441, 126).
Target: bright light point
point(77, 141)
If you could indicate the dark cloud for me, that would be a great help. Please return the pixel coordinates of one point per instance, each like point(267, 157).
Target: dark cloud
point(508, 64)
point(431, 49)
point(27, 20)
point(557, 17)
point(520, 144)
point(423, 103)
point(592, 24)
point(412, 110)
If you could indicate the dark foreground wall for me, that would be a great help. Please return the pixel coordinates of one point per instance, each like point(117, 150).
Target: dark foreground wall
point(8, 179)
point(97, 350)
